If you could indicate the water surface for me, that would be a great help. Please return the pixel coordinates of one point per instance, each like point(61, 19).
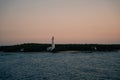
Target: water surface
point(60, 66)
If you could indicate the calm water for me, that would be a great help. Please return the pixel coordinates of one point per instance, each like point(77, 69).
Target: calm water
point(60, 66)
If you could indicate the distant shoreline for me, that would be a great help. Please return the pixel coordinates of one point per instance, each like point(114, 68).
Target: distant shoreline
point(34, 47)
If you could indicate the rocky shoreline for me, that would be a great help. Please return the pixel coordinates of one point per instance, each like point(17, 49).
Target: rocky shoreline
point(34, 47)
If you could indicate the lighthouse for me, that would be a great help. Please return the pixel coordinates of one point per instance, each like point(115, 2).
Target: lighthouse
point(53, 44)
point(52, 47)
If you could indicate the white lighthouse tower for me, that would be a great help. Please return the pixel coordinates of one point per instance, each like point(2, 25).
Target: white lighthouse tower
point(53, 44)
point(52, 47)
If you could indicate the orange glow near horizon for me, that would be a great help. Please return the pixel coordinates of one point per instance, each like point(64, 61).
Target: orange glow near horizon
point(94, 21)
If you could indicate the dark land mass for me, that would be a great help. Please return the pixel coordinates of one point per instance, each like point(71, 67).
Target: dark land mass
point(34, 47)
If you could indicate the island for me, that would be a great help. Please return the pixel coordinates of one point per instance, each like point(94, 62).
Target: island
point(35, 47)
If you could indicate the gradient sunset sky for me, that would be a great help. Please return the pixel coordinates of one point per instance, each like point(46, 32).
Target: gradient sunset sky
point(70, 21)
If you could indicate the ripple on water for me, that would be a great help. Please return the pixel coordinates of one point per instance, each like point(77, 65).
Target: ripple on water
point(48, 66)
